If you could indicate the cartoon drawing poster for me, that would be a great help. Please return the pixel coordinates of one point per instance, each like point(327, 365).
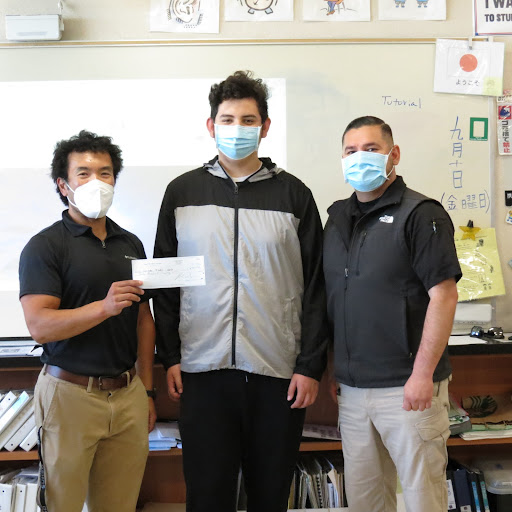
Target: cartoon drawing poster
point(336, 10)
point(462, 69)
point(184, 16)
point(412, 9)
point(258, 10)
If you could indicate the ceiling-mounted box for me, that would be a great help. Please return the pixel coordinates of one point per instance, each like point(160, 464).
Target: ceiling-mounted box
point(39, 27)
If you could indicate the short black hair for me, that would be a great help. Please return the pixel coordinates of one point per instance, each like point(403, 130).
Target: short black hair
point(240, 85)
point(81, 143)
point(369, 121)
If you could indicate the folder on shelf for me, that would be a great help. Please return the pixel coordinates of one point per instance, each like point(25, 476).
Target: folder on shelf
point(21, 433)
point(26, 410)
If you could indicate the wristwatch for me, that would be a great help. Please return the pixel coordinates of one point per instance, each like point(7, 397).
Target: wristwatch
point(151, 393)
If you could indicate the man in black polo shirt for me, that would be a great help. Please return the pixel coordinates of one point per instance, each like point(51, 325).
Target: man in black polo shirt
point(97, 333)
point(390, 269)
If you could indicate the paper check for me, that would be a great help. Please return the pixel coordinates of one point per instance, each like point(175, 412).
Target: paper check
point(169, 272)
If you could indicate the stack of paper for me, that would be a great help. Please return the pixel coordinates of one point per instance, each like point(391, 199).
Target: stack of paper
point(491, 416)
point(165, 435)
point(321, 432)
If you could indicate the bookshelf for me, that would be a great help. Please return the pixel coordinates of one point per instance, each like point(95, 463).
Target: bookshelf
point(484, 369)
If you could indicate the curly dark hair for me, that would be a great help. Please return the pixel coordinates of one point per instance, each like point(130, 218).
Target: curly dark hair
point(369, 121)
point(81, 143)
point(240, 85)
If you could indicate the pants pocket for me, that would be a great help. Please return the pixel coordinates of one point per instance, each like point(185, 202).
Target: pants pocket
point(434, 431)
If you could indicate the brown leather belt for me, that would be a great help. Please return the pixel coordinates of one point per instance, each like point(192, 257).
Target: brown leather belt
point(102, 383)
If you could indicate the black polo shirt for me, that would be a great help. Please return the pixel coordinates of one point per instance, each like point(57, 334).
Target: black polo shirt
point(66, 260)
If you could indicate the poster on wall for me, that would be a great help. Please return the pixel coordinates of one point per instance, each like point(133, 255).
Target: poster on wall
point(337, 10)
point(504, 119)
point(195, 16)
point(469, 68)
point(412, 9)
point(258, 10)
point(492, 17)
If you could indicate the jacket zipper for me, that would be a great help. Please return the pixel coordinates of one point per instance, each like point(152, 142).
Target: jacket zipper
point(235, 271)
point(359, 252)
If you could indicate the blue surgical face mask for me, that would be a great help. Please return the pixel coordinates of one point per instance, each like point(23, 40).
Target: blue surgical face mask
point(236, 141)
point(365, 171)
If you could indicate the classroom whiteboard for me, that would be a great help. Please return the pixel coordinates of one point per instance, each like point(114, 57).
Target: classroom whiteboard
point(153, 101)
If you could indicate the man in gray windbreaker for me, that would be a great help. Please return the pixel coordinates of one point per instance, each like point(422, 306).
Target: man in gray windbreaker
point(244, 353)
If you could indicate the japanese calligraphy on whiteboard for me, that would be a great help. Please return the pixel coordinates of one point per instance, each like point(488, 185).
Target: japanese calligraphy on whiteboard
point(258, 10)
point(196, 16)
point(462, 68)
point(412, 9)
point(492, 17)
point(504, 116)
point(336, 10)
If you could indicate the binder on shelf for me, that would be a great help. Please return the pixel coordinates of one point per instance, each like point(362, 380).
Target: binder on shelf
point(26, 410)
point(7, 418)
point(30, 441)
point(31, 495)
point(462, 494)
point(452, 503)
point(474, 491)
point(5, 496)
point(7, 401)
point(483, 491)
point(20, 490)
point(21, 433)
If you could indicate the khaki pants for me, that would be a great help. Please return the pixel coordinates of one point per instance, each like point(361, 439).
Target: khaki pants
point(94, 444)
point(379, 436)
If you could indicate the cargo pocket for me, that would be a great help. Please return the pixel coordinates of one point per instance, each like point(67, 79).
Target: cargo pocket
point(434, 431)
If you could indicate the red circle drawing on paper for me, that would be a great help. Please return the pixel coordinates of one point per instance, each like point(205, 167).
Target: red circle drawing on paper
point(468, 62)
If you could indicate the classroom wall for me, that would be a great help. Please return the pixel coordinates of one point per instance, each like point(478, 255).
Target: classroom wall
point(116, 20)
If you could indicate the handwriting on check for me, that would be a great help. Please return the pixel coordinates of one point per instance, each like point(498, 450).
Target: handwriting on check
point(170, 272)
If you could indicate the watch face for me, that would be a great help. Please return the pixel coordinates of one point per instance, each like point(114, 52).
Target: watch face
point(185, 10)
point(259, 5)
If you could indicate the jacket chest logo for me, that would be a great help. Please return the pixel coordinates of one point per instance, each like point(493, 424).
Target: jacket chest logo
point(387, 219)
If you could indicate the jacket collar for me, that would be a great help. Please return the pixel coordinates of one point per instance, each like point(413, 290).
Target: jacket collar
point(267, 170)
point(341, 212)
point(80, 229)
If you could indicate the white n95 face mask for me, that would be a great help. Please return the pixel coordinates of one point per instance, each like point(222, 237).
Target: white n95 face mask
point(93, 199)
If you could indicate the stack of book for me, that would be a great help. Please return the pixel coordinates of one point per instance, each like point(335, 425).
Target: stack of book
point(17, 422)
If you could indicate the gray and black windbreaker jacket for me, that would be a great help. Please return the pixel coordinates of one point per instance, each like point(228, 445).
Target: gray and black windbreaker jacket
point(263, 307)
